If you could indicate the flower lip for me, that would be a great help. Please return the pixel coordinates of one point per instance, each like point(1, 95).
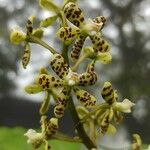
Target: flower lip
point(124, 106)
point(92, 27)
point(72, 78)
point(34, 137)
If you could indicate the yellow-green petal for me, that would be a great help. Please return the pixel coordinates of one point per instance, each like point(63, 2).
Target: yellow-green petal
point(38, 33)
point(111, 129)
point(82, 111)
point(16, 37)
point(104, 58)
point(49, 5)
point(32, 89)
point(45, 104)
point(48, 21)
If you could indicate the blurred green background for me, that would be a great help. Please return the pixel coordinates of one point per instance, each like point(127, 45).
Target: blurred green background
point(127, 30)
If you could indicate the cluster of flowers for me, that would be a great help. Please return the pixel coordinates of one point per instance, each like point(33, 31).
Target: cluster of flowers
point(67, 81)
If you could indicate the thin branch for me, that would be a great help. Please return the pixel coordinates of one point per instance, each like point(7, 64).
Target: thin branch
point(81, 59)
point(36, 40)
point(62, 137)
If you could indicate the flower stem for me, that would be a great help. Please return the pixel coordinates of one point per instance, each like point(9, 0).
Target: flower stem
point(74, 68)
point(33, 39)
point(79, 126)
point(62, 137)
point(100, 106)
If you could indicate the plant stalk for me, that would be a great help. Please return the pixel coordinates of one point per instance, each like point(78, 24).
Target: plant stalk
point(79, 126)
point(36, 40)
point(75, 67)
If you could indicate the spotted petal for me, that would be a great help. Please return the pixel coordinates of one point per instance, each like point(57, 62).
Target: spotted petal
point(61, 103)
point(84, 97)
point(59, 65)
point(100, 20)
point(89, 77)
point(26, 55)
point(99, 44)
point(77, 47)
point(51, 127)
point(74, 14)
point(107, 93)
point(67, 34)
point(47, 82)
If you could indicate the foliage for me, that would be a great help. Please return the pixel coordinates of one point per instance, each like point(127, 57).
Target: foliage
point(13, 139)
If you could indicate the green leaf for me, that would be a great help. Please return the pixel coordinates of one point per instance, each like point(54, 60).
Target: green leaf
point(48, 21)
